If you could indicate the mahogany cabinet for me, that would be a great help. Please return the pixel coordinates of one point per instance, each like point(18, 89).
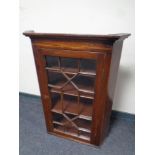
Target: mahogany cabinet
point(77, 76)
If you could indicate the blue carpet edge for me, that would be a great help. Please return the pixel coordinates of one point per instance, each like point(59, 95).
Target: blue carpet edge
point(115, 114)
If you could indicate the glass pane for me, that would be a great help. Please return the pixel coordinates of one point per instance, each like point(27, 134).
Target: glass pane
point(71, 84)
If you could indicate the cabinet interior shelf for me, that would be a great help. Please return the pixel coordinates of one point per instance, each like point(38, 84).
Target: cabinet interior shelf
point(72, 132)
point(87, 90)
point(85, 127)
point(84, 110)
point(78, 127)
point(71, 71)
point(69, 90)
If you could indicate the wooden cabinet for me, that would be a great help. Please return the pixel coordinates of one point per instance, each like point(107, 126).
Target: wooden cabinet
point(77, 76)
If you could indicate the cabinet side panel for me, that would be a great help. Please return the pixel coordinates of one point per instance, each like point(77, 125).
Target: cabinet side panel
point(112, 64)
point(107, 105)
point(116, 55)
point(99, 108)
point(42, 79)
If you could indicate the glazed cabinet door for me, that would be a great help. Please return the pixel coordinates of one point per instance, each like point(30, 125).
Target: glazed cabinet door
point(70, 89)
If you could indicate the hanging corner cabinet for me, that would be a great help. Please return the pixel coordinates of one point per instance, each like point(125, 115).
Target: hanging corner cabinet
point(77, 77)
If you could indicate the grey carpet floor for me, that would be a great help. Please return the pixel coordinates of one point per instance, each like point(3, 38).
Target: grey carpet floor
point(35, 141)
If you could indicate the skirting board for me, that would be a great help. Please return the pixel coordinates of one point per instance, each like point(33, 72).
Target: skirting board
point(115, 114)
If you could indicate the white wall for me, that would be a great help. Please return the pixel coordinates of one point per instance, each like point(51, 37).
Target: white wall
point(83, 17)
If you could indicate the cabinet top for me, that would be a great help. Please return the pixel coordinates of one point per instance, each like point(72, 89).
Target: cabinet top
point(112, 37)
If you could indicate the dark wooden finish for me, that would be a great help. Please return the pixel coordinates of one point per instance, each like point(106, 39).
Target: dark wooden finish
point(77, 101)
